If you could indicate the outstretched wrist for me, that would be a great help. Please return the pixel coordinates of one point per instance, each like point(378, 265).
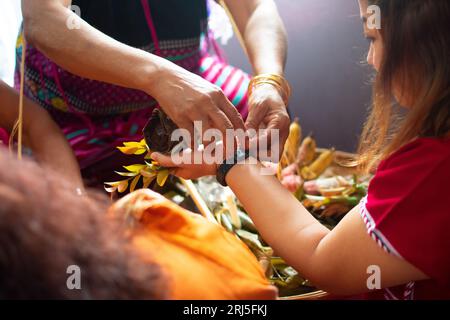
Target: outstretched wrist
point(154, 75)
point(222, 171)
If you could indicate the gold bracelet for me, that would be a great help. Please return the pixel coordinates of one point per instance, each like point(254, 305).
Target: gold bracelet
point(273, 79)
point(282, 91)
point(273, 83)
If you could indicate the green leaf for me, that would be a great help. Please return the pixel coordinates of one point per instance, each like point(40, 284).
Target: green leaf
point(147, 173)
point(226, 222)
point(123, 186)
point(134, 183)
point(147, 182)
point(110, 189)
point(250, 237)
point(278, 261)
point(127, 174)
point(153, 165)
point(162, 177)
point(113, 184)
point(128, 150)
point(140, 151)
point(135, 167)
point(132, 144)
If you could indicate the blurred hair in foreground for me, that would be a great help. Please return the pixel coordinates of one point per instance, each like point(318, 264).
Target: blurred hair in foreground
point(142, 247)
point(45, 227)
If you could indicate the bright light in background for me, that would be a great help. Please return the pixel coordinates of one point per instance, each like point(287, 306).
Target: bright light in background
point(10, 20)
point(219, 23)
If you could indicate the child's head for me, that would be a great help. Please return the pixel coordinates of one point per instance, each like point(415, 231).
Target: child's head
point(45, 228)
point(410, 50)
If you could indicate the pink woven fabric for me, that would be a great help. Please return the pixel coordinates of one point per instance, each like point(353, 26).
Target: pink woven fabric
point(4, 137)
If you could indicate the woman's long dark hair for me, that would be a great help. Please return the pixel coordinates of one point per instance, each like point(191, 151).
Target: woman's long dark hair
point(416, 66)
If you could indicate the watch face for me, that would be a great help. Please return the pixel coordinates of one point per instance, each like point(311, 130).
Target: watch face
point(240, 154)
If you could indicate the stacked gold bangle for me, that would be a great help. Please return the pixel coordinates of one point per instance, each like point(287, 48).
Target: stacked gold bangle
point(275, 80)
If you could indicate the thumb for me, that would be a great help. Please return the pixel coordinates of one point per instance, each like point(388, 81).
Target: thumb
point(255, 117)
point(163, 160)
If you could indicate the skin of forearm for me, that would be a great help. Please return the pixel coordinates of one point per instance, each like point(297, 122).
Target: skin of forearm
point(86, 51)
point(264, 34)
point(266, 41)
point(334, 261)
point(40, 134)
point(282, 221)
point(50, 147)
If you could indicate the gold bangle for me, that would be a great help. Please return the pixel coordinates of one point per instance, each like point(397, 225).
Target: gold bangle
point(273, 83)
point(273, 79)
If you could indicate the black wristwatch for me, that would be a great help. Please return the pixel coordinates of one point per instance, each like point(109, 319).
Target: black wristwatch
point(226, 166)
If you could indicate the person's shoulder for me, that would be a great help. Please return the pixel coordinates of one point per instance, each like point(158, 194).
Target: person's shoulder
point(422, 152)
point(406, 208)
point(419, 169)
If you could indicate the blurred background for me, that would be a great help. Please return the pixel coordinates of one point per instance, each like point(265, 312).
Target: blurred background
point(10, 20)
point(330, 82)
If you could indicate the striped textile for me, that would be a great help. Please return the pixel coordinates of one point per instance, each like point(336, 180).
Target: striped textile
point(380, 239)
point(233, 82)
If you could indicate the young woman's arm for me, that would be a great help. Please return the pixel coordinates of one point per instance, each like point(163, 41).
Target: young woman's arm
point(40, 134)
point(336, 261)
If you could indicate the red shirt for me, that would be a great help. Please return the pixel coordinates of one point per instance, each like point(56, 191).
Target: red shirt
point(407, 211)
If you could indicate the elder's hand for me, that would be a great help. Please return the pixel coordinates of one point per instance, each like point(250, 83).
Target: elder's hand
point(186, 97)
point(192, 164)
point(267, 110)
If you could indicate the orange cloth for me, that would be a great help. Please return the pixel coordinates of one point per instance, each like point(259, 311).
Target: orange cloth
point(201, 260)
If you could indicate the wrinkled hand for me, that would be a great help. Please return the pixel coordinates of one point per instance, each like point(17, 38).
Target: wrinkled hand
point(267, 110)
point(186, 97)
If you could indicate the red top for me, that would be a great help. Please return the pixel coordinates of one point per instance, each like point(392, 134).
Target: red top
point(407, 212)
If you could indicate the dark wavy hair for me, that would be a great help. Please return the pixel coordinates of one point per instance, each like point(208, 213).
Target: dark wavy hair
point(416, 62)
point(45, 227)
